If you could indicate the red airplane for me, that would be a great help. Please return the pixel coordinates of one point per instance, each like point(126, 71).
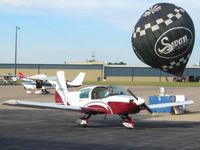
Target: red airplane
point(93, 100)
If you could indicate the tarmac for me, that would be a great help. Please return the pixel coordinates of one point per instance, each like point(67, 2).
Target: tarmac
point(30, 129)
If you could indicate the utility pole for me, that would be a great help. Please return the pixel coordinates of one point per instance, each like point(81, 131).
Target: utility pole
point(17, 28)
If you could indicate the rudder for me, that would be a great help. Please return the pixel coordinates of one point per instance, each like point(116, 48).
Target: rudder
point(61, 89)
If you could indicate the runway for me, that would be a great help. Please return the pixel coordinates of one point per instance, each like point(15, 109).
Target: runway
point(24, 128)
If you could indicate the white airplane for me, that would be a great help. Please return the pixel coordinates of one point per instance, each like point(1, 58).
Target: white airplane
point(96, 100)
point(43, 82)
point(9, 78)
point(31, 78)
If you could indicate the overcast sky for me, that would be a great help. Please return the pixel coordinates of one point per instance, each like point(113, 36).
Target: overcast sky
point(55, 31)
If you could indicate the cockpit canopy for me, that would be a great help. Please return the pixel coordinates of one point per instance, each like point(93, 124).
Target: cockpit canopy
point(100, 92)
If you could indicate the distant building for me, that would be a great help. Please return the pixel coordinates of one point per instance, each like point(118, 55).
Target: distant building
point(98, 71)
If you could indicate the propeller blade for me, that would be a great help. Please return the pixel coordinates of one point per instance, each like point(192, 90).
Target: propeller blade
point(131, 93)
point(147, 108)
point(143, 105)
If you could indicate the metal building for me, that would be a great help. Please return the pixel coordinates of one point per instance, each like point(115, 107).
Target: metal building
point(97, 71)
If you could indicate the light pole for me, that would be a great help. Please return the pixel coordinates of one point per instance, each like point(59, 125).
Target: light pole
point(17, 28)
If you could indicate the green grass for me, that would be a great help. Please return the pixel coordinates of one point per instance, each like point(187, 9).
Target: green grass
point(175, 84)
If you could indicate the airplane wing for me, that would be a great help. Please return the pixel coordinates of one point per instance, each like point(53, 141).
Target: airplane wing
point(170, 104)
point(32, 104)
point(43, 78)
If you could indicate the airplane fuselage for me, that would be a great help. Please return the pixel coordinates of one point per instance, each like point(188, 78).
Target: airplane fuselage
point(111, 104)
point(32, 85)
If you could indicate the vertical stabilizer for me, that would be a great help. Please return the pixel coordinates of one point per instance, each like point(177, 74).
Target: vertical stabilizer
point(21, 75)
point(61, 89)
point(78, 80)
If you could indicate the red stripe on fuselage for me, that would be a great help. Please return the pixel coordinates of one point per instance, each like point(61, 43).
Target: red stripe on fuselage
point(122, 107)
point(117, 108)
point(58, 98)
point(100, 109)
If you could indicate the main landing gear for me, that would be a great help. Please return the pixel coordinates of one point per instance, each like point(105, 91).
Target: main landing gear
point(127, 121)
point(83, 121)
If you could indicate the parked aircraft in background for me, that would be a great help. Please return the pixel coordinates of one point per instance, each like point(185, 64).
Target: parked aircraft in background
point(30, 78)
point(40, 81)
point(95, 100)
point(43, 82)
point(9, 78)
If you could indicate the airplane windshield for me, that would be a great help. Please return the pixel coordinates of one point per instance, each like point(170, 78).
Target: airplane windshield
point(114, 90)
point(99, 93)
point(84, 93)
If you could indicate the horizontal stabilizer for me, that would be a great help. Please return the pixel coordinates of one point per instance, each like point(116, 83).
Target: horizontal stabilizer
point(170, 104)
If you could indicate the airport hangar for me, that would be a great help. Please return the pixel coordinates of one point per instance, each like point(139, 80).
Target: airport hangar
point(98, 71)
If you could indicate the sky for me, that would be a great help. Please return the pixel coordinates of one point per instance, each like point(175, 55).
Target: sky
point(58, 31)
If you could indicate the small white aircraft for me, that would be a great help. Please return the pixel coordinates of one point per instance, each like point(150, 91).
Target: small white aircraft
point(95, 100)
point(31, 78)
point(9, 78)
point(43, 82)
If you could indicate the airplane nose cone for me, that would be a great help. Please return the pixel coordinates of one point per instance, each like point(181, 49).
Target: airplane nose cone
point(140, 101)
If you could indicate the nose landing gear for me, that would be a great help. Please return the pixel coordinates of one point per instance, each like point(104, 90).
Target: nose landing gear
point(128, 121)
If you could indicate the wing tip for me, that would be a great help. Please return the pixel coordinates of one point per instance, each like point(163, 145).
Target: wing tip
point(11, 102)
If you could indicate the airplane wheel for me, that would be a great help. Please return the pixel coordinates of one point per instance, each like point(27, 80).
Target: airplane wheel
point(128, 121)
point(128, 124)
point(82, 122)
point(83, 125)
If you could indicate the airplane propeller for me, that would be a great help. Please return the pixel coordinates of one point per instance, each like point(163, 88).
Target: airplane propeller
point(144, 106)
point(147, 108)
point(131, 93)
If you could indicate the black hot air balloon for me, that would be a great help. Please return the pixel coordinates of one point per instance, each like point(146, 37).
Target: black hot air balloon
point(164, 37)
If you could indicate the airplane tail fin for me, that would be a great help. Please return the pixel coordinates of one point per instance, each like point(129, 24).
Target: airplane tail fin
point(61, 89)
point(78, 80)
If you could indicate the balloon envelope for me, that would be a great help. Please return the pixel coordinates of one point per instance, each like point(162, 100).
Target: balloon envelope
point(164, 37)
